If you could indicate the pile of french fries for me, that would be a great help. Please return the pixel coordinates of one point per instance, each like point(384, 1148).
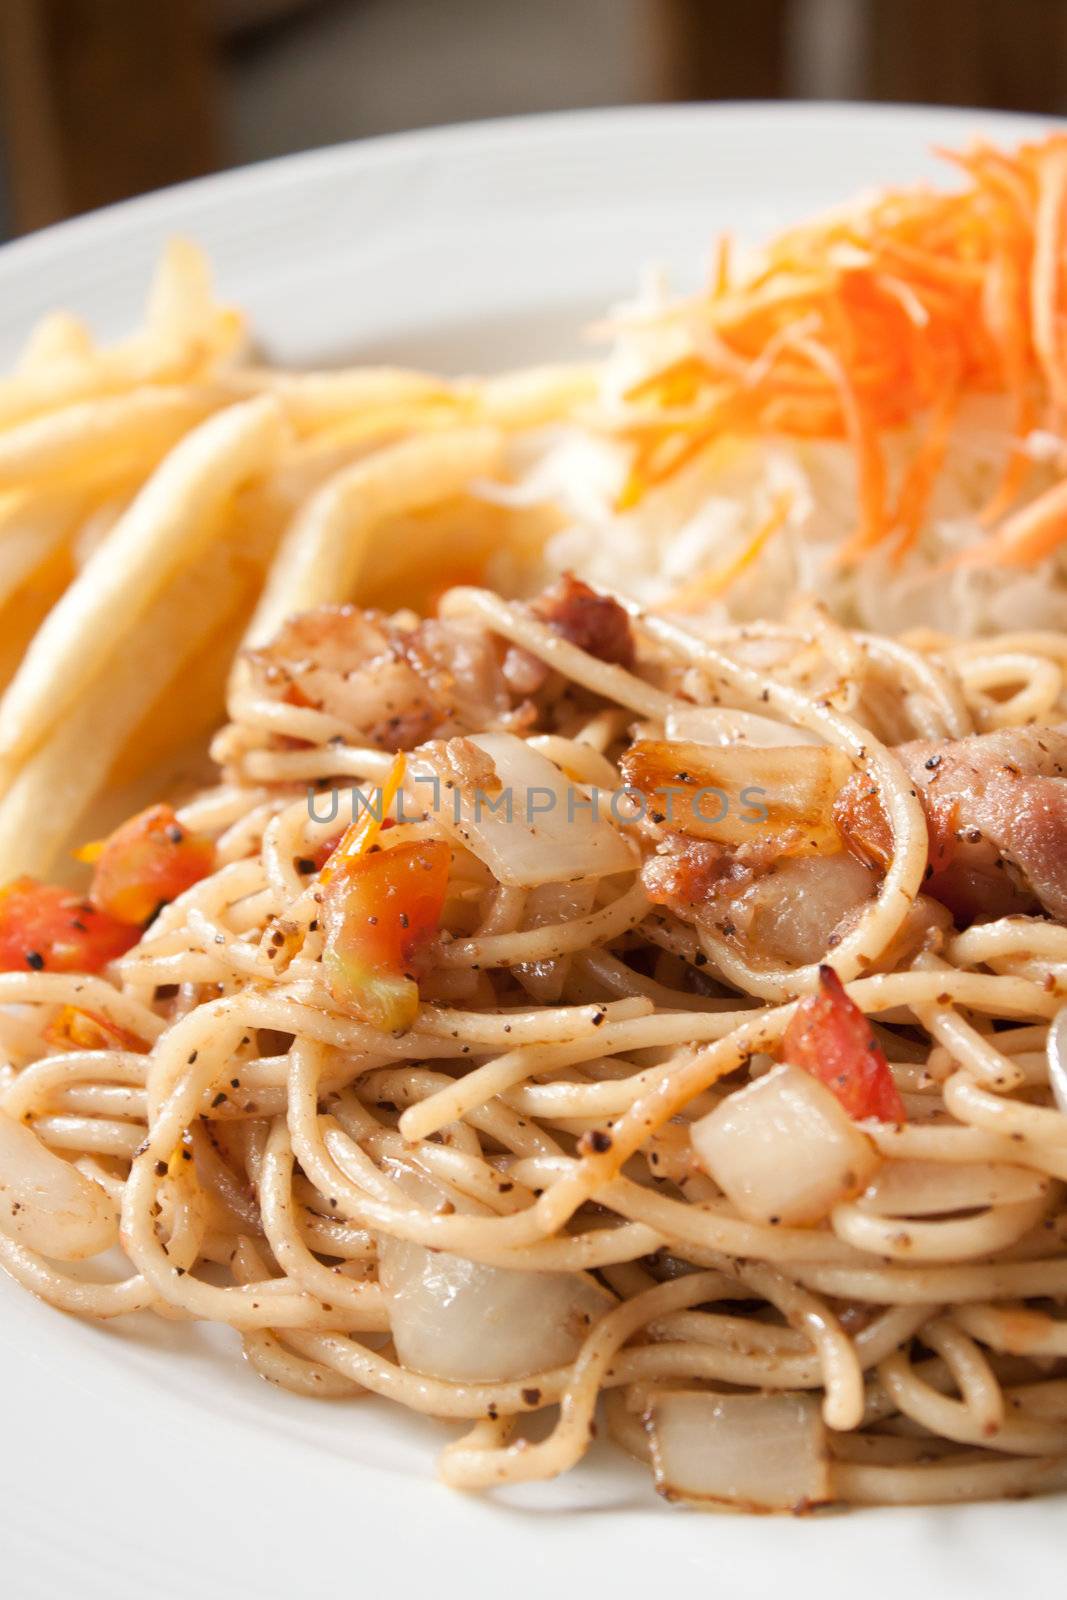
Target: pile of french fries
point(165, 499)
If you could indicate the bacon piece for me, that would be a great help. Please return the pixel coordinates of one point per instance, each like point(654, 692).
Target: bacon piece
point(594, 622)
point(788, 908)
point(685, 874)
point(348, 663)
point(802, 906)
point(1010, 789)
point(393, 686)
point(996, 812)
point(861, 820)
point(458, 661)
point(524, 672)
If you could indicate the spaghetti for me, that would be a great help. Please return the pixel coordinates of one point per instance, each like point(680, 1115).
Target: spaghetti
point(484, 1166)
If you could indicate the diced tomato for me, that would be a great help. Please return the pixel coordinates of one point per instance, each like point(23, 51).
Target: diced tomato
point(831, 1038)
point(72, 1029)
point(148, 862)
point(49, 929)
point(379, 909)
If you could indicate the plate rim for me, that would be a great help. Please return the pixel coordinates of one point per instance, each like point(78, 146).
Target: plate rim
point(380, 149)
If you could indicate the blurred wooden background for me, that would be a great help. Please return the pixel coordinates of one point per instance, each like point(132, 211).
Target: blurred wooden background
point(103, 99)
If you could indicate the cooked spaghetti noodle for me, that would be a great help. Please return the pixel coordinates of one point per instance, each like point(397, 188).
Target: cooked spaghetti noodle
point(513, 1189)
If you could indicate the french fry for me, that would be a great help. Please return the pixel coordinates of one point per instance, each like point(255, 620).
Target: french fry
point(96, 527)
point(129, 596)
point(26, 608)
point(320, 556)
point(376, 397)
point(53, 789)
point(533, 397)
point(454, 539)
point(182, 719)
point(97, 436)
point(167, 529)
point(32, 528)
point(58, 336)
point(314, 400)
point(182, 311)
point(186, 336)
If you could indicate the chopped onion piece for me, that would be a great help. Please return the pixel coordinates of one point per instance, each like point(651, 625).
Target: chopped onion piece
point(46, 1204)
point(761, 1452)
point(525, 820)
point(552, 903)
point(734, 793)
point(715, 725)
point(1057, 1058)
point(783, 1150)
point(457, 1319)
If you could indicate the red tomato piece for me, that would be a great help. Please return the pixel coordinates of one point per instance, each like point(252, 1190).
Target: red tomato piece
point(50, 929)
point(831, 1038)
point(379, 909)
point(146, 863)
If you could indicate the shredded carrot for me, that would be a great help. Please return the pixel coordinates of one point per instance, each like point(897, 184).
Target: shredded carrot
point(363, 831)
point(720, 272)
point(710, 585)
point(1047, 271)
point(74, 1029)
point(919, 480)
point(1028, 536)
point(885, 315)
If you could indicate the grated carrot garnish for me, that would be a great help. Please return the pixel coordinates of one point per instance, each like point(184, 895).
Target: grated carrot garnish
point(720, 271)
point(1047, 270)
point(1029, 535)
point(909, 303)
point(363, 831)
point(919, 480)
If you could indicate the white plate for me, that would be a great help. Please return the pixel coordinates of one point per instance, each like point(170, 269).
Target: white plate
point(148, 1459)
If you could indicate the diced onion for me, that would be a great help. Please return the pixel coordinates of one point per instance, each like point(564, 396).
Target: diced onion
point(534, 827)
point(1057, 1058)
point(760, 1452)
point(715, 725)
point(547, 904)
point(46, 1204)
point(457, 1319)
point(735, 793)
point(783, 1150)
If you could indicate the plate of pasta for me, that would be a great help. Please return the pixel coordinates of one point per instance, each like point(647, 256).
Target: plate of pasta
point(533, 863)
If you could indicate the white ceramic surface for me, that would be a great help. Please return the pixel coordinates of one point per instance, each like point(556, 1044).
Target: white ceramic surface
point(147, 1459)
